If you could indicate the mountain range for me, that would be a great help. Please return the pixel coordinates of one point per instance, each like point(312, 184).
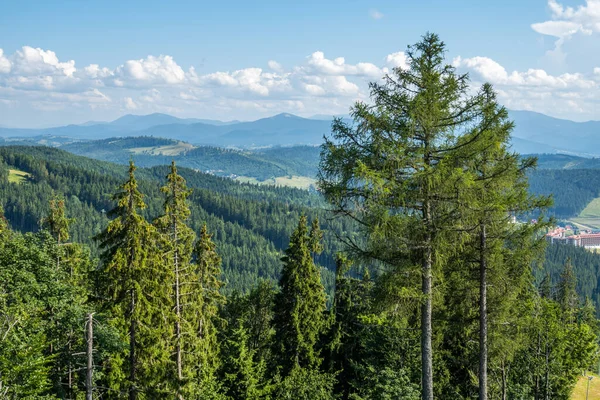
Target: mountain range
point(533, 133)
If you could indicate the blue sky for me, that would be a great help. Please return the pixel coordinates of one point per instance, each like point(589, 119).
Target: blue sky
point(73, 61)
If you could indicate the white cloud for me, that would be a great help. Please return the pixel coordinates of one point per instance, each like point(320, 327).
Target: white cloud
point(31, 61)
point(275, 66)
point(569, 95)
point(491, 71)
point(161, 69)
point(151, 96)
point(318, 64)
point(559, 29)
point(130, 104)
point(5, 64)
point(375, 14)
point(566, 22)
point(39, 79)
point(95, 72)
point(397, 60)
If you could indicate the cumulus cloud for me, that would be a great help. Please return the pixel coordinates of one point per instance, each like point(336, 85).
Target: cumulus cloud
point(319, 64)
point(275, 66)
point(161, 69)
point(5, 64)
point(491, 71)
point(316, 85)
point(563, 95)
point(566, 21)
point(397, 60)
point(31, 61)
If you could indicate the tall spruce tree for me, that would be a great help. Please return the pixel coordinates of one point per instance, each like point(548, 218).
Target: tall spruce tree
point(498, 192)
point(299, 307)
point(395, 171)
point(177, 245)
point(203, 316)
point(57, 224)
point(567, 294)
point(132, 282)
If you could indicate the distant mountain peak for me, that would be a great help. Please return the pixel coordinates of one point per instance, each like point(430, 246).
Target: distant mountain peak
point(286, 115)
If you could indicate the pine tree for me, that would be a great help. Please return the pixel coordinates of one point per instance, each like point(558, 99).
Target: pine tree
point(243, 375)
point(498, 191)
point(75, 262)
point(567, 293)
point(132, 282)
point(176, 245)
point(299, 307)
point(56, 222)
point(546, 287)
point(397, 171)
point(203, 316)
point(351, 302)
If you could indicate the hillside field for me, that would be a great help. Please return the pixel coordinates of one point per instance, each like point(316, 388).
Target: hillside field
point(589, 217)
point(581, 388)
point(299, 182)
point(17, 176)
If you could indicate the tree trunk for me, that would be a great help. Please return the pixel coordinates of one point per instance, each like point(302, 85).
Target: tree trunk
point(426, 327)
point(547, 390)
point(132, 361)
point(90, 360)
point(503, 381)
point(177, 318)
point(483, 349)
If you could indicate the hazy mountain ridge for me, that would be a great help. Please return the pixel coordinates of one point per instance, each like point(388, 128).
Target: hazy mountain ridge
point(281, 129)
point(533, 133)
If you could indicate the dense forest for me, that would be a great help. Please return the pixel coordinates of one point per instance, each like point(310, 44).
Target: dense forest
point(405, 278)
point(571, 189)
point(251, 223)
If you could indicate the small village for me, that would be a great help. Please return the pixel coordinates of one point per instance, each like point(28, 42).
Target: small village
point(576, 237)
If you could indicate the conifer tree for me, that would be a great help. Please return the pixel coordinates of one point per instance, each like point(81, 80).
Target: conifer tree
point(501, 249)
point(132, 281)
point(546, 287)
point(299, 307)
point(56, 222)
point(244, 376)
point(567, 294)
point(395, 171)
point(203, 315)
point(177, 241)
point(351, 301)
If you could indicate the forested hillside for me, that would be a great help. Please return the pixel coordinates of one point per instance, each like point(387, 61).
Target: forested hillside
point(251, 223)
point(586, 268)
point(572, 189)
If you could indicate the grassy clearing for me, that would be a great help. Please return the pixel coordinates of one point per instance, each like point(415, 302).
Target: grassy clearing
point(592, 210)
point(300, 182)
point(17, 176)
point(586, 223)
point(167, 150)
point(589, 217)
point(581, 387)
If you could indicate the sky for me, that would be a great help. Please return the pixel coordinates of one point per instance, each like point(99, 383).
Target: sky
point(64, 62)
